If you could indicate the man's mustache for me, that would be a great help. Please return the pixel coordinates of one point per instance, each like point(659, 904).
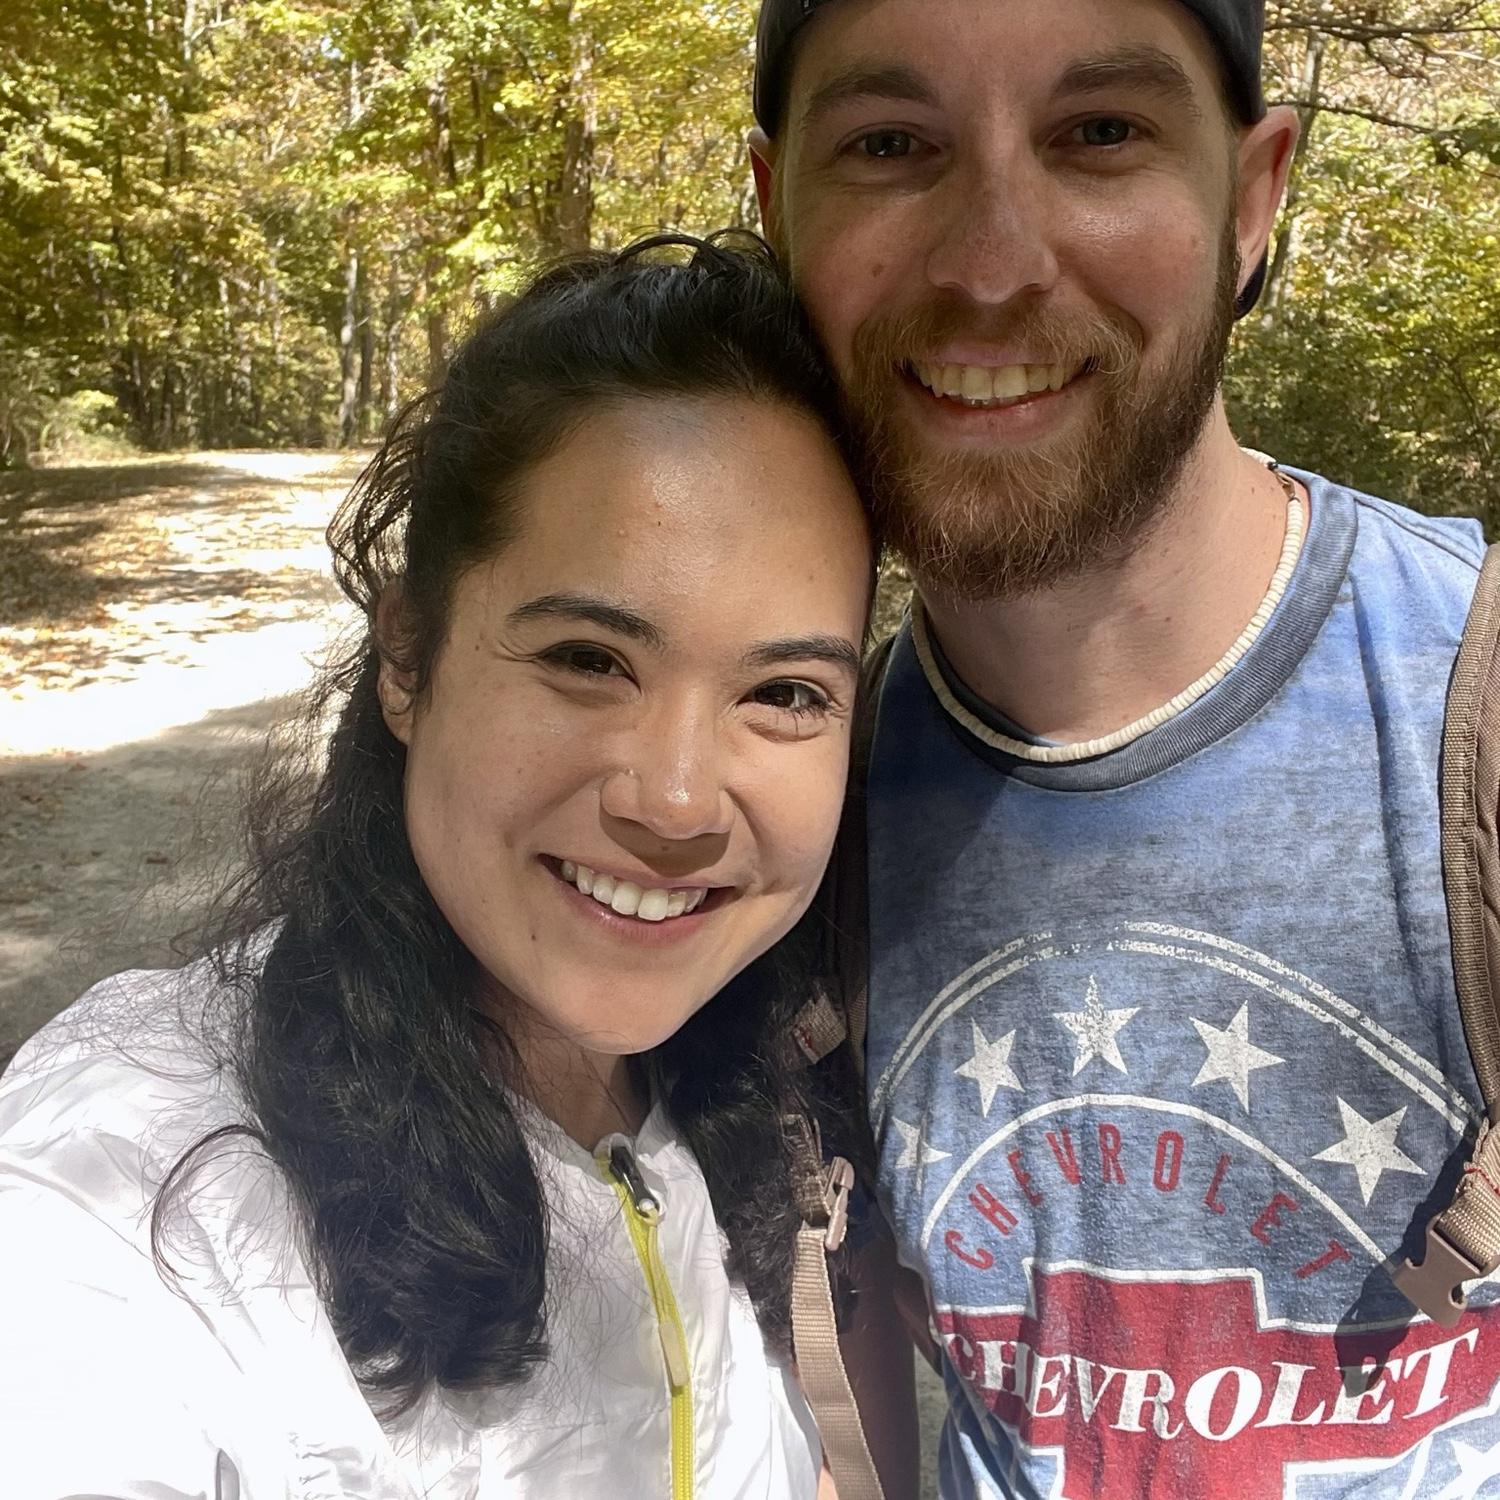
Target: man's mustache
point(1047, 335)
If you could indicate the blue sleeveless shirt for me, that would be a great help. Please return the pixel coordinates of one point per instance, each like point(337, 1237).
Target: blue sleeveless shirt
point(1166, 1064)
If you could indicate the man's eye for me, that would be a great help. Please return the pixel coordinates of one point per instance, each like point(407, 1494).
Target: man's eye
point(587, 661)
point(1105, 132)
point(791, 697)
point(886, 145)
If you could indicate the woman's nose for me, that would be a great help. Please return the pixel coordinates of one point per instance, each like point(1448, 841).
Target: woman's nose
point(671, 780)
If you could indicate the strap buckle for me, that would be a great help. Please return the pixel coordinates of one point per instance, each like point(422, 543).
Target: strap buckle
point(837, 1187)
point(1436, 1284)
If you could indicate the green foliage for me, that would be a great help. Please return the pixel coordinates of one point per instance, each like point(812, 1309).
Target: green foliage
point(1375, 356)
point(256, 221)
point(263, 221)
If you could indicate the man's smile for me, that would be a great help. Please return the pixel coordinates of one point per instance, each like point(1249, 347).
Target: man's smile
point(990, 385)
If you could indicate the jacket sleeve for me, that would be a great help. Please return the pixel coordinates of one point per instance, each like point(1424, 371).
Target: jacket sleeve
point(111, 1387)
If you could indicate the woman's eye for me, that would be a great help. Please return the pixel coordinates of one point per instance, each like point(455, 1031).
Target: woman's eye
point(792, 697)
point(887, 145)
point(587, 661)
point(1105, 131)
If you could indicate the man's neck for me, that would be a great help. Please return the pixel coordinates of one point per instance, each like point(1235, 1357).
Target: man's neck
point(1101, 650)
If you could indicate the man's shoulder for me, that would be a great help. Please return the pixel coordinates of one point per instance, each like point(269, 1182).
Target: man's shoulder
point(1386, 528)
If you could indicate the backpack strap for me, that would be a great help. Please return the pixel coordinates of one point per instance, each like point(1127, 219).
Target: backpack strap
point(1463, 1241)
point(824, 1022)
point(823, 1191)
point(823, 1201)
point(851, 874)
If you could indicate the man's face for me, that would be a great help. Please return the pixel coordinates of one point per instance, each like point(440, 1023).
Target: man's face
point(1016, 226)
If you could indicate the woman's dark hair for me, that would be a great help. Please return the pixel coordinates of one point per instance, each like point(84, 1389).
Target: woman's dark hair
point(369, 1078)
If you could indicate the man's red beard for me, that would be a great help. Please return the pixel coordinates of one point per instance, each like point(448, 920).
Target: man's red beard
point(998, 525)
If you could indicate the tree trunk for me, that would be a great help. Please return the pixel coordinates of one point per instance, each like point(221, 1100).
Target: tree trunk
point(348, 365)
point(362, 422)
point(390, 364)
point(1278, 276)
point(436, 320)
point(575, 207)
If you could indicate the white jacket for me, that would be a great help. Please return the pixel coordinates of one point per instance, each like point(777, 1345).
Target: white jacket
point(115, 1384)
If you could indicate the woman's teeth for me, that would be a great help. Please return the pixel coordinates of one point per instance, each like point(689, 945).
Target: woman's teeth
point(985, 385)
point(630, 900)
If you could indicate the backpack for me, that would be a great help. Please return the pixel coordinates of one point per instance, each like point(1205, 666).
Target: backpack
point(1462, 1241)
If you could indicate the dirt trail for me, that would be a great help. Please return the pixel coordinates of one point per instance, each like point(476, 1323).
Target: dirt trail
point(156, 620)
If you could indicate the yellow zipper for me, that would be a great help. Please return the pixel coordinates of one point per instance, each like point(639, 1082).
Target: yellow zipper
point(643, 1213)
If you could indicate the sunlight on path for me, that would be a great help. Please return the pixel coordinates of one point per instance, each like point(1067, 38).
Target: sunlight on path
point(162, 591)
point(220, 672)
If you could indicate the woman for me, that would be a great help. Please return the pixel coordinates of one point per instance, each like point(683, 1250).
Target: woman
point(446, 1174)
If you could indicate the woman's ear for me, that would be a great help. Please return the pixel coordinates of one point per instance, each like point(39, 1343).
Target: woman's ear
point(395, 687)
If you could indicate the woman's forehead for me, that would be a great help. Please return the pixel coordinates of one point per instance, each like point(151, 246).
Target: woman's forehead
point(656, 477)
point(675, 510)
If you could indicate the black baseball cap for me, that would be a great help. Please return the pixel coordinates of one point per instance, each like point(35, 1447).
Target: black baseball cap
point(1235, 27)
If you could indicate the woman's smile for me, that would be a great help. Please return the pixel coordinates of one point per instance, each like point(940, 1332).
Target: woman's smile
point(635, 908)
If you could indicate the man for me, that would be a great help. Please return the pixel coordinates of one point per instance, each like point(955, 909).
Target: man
point(1164, 1057)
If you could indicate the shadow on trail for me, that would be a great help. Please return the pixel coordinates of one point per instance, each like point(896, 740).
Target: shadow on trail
point(102, 484)
point(111, 857)
point(74, 541)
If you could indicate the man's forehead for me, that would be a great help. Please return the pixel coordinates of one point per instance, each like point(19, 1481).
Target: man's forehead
point(1141, 68)
point(1004, 46)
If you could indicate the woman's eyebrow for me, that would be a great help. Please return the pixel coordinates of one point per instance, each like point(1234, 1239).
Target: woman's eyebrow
point(830, 648)
point(596, 611)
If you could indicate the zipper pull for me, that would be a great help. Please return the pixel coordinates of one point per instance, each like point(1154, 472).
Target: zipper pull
point(668, 1323)
point(616, 1158)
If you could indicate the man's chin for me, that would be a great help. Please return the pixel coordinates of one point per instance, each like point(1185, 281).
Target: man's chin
point(994, 520)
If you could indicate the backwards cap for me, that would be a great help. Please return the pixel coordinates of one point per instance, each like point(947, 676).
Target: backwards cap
point(1235, 27)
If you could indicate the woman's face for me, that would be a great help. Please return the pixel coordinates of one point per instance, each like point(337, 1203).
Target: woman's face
point(625, 780)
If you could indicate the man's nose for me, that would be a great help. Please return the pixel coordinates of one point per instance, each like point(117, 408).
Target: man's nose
point(671, 776)
point(993, 240)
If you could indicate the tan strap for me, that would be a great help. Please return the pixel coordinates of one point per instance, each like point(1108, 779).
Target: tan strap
point(1463, 1241)
point(823, 1193)
point(823, 1198)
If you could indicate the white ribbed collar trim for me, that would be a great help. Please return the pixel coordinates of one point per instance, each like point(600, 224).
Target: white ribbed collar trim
point(1291, 549)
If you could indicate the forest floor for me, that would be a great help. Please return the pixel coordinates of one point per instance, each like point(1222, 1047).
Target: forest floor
point(158, 618)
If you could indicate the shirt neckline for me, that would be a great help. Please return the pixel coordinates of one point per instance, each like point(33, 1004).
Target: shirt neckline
point(1249, 686)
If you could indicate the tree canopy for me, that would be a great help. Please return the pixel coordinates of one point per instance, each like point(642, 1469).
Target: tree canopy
point(261, 222)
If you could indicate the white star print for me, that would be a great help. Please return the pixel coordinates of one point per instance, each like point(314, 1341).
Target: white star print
point(1232, 1056)
point(1094, 1030)
point(1369, 1146)
point(915, 1152)
point(1475, 1465)
point(990, 1065)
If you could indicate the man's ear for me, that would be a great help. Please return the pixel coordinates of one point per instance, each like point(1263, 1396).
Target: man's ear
point(763, 165)
point(1266, 152)
point(394, 685)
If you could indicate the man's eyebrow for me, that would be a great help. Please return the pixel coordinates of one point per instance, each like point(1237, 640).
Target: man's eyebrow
point(866, 81)
point(1145, 69)
point(833, 649)
point(596, 611)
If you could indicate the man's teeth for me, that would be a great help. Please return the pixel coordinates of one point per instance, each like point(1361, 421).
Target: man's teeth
point(989, 385)
point(651, 904)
